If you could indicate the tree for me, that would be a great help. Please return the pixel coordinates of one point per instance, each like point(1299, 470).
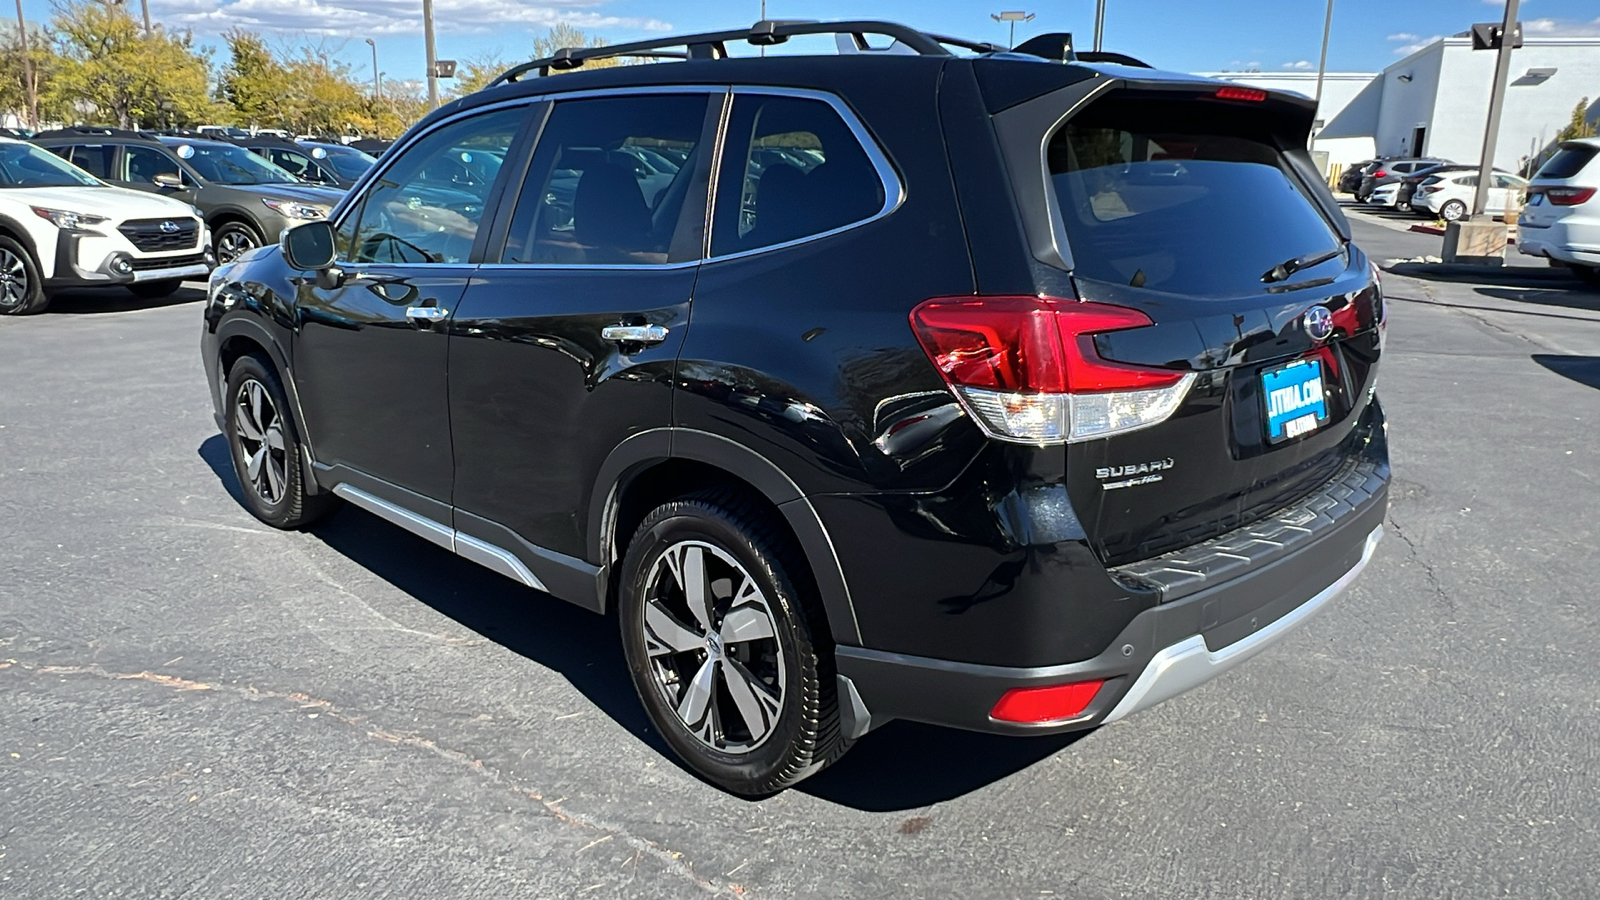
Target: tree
point(560, 36)
point(1577, 127)
point(13, 78)
point(475, 73)
point(127, 77)
point(254, 82)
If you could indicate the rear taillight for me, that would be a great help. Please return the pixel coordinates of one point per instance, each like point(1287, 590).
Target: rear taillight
point(1429, 189)
point(1568, 196)
point(1380, 174)
point(1027, 370)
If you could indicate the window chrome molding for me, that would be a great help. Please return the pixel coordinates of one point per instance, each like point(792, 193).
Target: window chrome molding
point(894, 191)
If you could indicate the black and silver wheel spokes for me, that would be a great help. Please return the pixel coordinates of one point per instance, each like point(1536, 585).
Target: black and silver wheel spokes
point(13, 279)
point(259, 429)
point(232, 244)
point(712, 641)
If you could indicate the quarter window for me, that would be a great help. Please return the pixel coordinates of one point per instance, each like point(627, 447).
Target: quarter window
point(93, 158)
point(792, 169)
point(428, 205)
point(609, 184)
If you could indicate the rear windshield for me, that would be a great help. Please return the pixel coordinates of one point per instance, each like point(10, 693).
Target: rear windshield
point(1568, 162)
point(1172, 196)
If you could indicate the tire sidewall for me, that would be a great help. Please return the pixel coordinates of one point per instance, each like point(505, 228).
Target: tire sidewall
point(241, 227)
point(747, 773)
point(249, 368)
point(1456, 205)
point(34, 300)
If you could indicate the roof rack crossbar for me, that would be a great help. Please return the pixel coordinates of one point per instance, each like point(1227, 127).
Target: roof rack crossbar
point(712, 44)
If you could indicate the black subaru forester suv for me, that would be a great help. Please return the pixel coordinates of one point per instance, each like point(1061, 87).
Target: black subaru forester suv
point(922, 381)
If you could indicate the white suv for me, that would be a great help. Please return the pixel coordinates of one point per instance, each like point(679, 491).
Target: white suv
point(62, 227)
point(1561, 221)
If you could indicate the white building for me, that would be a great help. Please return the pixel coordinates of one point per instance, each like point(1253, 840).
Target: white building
point(1435, 102)
point(1338, 90)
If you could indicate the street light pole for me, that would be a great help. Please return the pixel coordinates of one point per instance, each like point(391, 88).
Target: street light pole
point(145, 5)
point(1497, 99)
point(1322, 64)
point(27, 69)
point(427, 40)
point(1013, 18)
point(377, 90)
point(1099, 24)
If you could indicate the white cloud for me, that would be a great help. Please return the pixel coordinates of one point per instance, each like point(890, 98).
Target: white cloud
point(1301, 64)
point(1416, 45)
point(1405, 36)
point(1559, 28)
point(364, 18)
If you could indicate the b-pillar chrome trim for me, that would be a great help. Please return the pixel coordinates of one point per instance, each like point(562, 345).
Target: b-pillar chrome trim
point(463, 545)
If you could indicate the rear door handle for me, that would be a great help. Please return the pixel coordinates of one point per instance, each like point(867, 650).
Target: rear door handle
point(426, 313)
point(635, 334)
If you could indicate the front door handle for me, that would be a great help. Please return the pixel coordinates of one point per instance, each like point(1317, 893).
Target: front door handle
point(635, 334)
point(426, 313)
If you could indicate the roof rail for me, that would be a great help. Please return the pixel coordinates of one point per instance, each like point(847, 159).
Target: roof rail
point(766, 33)
point(94, 131)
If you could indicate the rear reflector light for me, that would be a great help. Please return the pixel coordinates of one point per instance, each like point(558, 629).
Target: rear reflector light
point(1568, 196)
point(1027, 370)
point(1251, 95)
point(1045, 704)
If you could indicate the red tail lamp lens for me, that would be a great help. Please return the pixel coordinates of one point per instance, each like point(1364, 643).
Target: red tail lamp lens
point(1030, 344)
point(1251, 95)
point(1568, 196)
point(1045, 704)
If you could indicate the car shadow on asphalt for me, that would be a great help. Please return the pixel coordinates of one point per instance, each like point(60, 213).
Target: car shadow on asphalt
point(1579, 296)
point(1511, 276)
point(111, 300)
point(901, 766)
point(1585, 370)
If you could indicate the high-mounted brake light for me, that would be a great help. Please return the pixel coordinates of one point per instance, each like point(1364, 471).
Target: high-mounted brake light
point(1037, 705)
point(1027, 370)
point(1568, 196)
point(1251, 95)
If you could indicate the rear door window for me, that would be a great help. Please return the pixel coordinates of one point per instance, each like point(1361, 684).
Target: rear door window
point(609, 184)
point(791, 169)
point(94, 159)
point(143, 164)
point(1158, 194)
point(1568, 162)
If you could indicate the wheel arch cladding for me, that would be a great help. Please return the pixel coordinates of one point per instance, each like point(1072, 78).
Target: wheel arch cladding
point(656, 467)
point(13, 229)
point(242, 337)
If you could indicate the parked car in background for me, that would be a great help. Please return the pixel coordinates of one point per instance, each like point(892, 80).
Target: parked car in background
point(294, 159)
point(1449, 196)
point(965, 430)
point(223, 132)
point(371, 146)
point(1350, 178)
point(62, 227)
point(1391, 171)
point(1406, 188)
point(347, 163)
point(246, 200)
point(1561, 218)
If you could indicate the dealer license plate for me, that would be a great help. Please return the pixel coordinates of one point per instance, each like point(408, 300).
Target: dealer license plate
point(1296, 402)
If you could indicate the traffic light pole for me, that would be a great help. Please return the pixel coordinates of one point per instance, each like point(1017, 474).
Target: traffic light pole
point(1497, 99)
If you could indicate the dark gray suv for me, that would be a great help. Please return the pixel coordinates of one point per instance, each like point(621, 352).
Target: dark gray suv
point(246, 200)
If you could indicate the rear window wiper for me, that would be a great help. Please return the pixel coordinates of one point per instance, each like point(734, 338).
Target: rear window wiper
point(1284, 269)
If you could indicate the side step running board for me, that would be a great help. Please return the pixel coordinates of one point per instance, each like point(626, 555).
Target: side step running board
point(467, 547)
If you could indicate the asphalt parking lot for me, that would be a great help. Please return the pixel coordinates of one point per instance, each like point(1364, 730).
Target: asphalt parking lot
point(192, 704)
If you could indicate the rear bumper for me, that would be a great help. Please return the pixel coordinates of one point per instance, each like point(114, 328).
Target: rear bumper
point(1224, 601)
point(1556, 242)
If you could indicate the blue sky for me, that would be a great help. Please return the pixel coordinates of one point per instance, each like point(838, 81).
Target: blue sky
point(1185, 35)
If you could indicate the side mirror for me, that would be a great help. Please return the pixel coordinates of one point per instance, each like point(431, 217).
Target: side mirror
point(309, 246)
point(168, 180)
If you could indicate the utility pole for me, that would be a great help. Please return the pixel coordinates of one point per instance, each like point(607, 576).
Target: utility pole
point(1013, 18)
point(427, 40)
point(1099, 24)
point(1322, 64)
point(27, 69)
point(377, 87)
point(1497, 98)
point(145, 5)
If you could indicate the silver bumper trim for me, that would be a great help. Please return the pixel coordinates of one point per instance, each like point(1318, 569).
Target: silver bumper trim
point(198, 270)
point(1190, 663)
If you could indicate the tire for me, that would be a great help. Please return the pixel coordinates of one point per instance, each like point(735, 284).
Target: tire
point(1453, 211)
point(265, 447)
point(155, 290)
point(1403, 207)
point(232, 240)
point(759, 712)
point(1589, 275)
point(21, 286)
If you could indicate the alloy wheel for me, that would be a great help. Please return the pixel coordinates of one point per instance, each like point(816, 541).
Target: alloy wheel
point(233, 243)
point(13, 280)
point(1453, 211)
point(259, 429)
point(711, 638)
